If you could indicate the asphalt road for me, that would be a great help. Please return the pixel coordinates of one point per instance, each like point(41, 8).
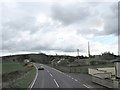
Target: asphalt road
point(52, 78)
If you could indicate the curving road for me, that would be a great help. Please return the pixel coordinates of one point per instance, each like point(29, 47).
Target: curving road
point(52, 78)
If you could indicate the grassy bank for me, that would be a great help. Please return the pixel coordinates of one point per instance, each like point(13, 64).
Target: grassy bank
point(0, 68)
point(16, 75)
point(25, 80)
point(8, 67)
point(80, 69)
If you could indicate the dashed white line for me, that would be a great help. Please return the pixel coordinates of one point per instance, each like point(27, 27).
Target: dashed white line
point(80, 82)
point(56, 82)
point(72, 78)
point(76, 80)
point(86, 86)
point(89, 86)
point(47, 71)
point(51, 75)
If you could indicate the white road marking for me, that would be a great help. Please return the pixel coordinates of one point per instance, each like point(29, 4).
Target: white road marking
point(89, 86)
point(56, 82)
point(57, 70)
point(51, 75)
point(80, 82)
point(72, 78)
point(86, 86)
point(76, 80)
point(47, 71)
point(35, 78)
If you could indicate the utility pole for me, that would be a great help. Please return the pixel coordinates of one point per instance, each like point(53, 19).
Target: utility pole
point(88, 50)
point(78, 52)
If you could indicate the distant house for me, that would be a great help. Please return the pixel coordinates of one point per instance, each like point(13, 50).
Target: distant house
point(72, 64)
point(82, 62)
point(26, 61)
point(97, 56)
point(54, 62)
point(57, 62)
point(63, 62)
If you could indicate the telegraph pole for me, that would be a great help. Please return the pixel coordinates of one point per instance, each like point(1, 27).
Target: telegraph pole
point(78, 52)
point(88, 50)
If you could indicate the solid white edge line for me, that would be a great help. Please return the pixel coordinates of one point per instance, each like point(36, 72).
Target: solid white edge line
point(35, 78)
point(56, 82)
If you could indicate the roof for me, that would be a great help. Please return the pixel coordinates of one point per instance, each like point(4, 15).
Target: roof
point(116, 61)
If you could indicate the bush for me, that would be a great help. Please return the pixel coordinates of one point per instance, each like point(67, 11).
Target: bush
point(97, 62)
point(29, 65)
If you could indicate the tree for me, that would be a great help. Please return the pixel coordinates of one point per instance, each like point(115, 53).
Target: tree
point(108, 56)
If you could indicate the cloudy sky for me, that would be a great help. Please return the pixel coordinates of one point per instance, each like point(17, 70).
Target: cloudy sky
point(59, 26)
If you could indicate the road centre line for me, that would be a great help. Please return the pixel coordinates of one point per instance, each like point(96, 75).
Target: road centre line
point(87, 86)
point(47, 71)
point(51, 75)
point(72, 78)
point(56, 82)
point(76, 80)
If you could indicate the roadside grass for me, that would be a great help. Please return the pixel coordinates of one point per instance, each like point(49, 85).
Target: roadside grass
point(26, 80)
point(0, 67)
point(8, 67)
point(16, 75)
point(0, 75)
point(80, 69)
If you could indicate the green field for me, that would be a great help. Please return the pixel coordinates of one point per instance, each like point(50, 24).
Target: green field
point(8, 67)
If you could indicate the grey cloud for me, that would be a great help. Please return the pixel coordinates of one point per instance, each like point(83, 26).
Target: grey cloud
point(21, 32)
point(70, 14)
point(83, 13)
point(12, 29)
point(110, 20)
point(50, 47)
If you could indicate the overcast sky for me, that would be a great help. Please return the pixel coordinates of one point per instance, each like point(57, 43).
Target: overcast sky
point(59, 26)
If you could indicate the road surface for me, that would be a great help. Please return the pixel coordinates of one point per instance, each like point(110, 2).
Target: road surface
point(52, 78)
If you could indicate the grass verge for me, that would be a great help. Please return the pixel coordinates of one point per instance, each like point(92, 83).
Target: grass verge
point(0, 65)
point(26, 80)
point(16, 75)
